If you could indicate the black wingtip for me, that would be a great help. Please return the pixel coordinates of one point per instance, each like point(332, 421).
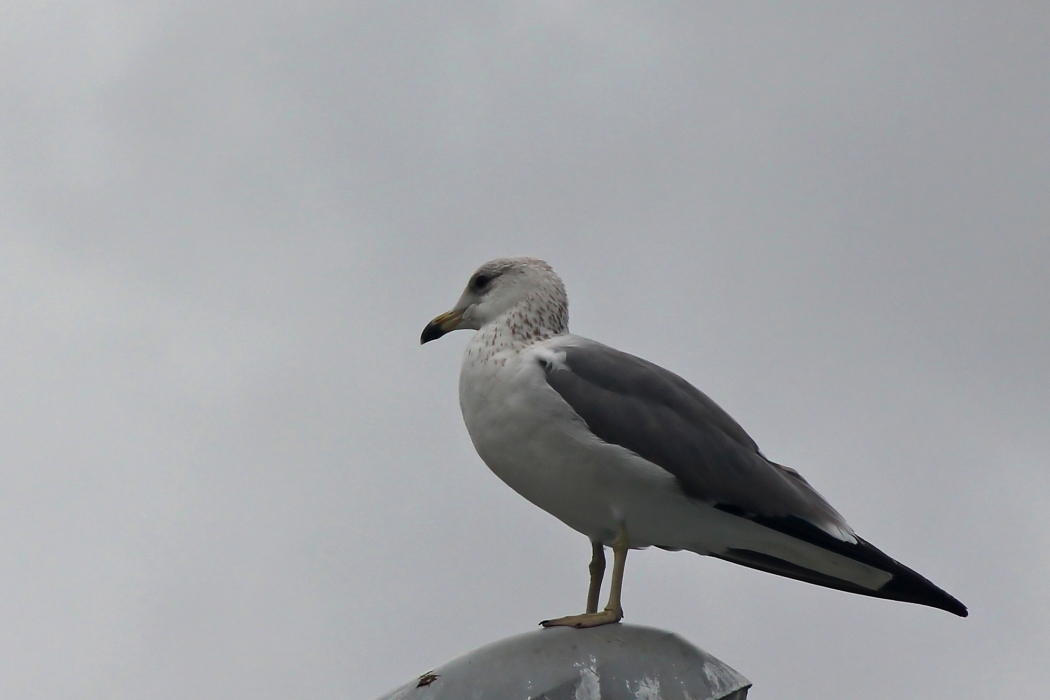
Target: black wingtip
point(910, 587)
point(905, 585)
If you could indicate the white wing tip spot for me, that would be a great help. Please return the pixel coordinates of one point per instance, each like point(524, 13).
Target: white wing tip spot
point(840, 532)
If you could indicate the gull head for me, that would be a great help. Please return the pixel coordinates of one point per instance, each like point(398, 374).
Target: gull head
point(523, 293)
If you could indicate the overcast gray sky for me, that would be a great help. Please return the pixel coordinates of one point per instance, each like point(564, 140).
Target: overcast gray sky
point(229, 470)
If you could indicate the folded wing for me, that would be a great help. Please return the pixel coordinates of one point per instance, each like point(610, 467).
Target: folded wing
point(627, 401)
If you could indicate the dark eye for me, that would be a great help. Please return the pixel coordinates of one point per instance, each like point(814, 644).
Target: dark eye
point(481, 281)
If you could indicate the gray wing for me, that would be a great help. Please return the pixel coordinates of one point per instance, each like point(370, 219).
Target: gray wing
point(659, 416)
point(656, 414)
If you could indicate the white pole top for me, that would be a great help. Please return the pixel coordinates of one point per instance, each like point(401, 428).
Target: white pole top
point(612, 662)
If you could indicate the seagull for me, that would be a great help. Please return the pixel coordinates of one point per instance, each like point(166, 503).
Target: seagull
point(632, 455)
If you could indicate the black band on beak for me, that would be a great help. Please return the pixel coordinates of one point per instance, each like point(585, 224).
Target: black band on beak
point(433, 331)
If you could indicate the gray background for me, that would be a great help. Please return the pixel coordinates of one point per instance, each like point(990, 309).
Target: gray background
point(229, 470)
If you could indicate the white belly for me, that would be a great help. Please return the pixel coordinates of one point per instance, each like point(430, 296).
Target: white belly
point(532, 440)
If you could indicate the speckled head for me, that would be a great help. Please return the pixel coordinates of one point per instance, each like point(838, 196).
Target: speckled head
point(524, 294)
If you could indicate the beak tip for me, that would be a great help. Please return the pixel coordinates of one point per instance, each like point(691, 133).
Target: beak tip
point(431, 332)
point(441, 325)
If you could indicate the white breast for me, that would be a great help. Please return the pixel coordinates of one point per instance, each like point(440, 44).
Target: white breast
point(532, 440)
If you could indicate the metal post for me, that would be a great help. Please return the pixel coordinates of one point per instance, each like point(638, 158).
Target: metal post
point(612, 662)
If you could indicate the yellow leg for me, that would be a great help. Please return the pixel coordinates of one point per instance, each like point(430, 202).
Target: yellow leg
point(613, 611)
point(597, 569)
